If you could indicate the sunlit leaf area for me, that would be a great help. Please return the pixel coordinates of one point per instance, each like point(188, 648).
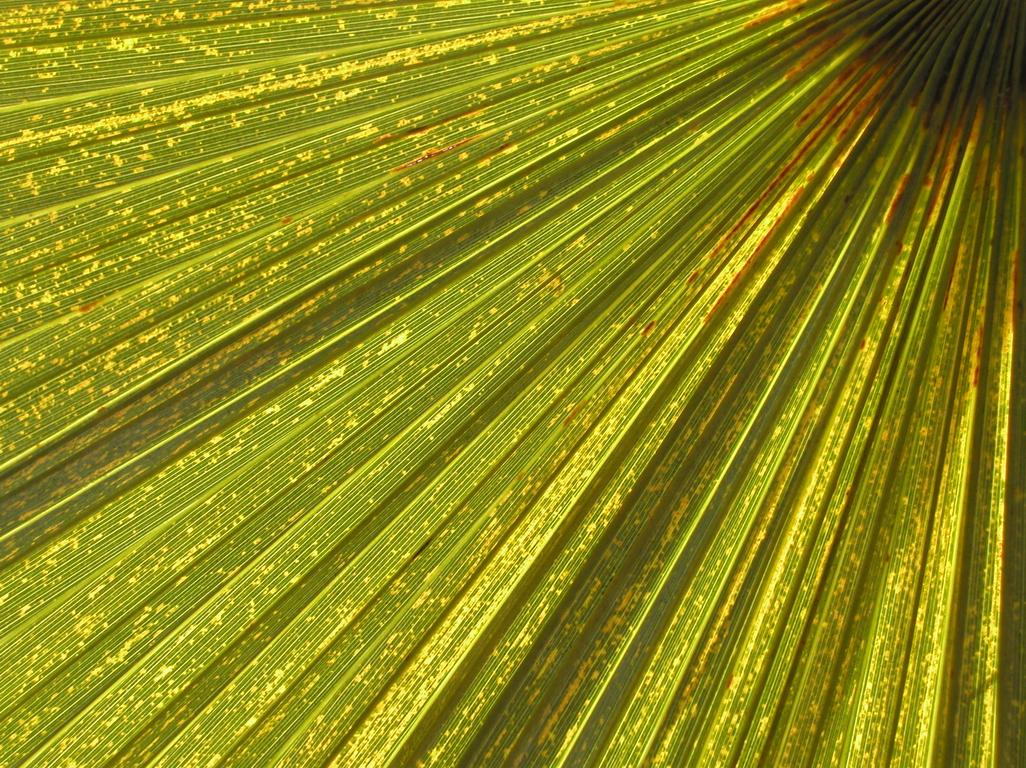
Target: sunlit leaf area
point(512, 383)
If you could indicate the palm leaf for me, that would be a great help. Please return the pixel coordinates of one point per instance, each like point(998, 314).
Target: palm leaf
point(513, 382)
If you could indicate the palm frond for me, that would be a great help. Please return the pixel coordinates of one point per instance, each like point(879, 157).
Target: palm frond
point(513, 382)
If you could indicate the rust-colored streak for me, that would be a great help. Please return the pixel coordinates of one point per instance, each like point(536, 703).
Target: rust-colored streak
point(88, 306)
point(978, 358)
point(502, 149)
point(420, 130)
point(467, 113)
point(649, 327)
point(898, 199)
point(830, 91)
point(730, 287)
point(811, 57)
point(432, 153)
point(868, 103)
point(951, 278)
point(774, 11)
point(763, 242)
point(830, 118)
point(573, 414)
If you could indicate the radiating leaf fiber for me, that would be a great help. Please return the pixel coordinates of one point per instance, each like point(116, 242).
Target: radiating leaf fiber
point(512, 383)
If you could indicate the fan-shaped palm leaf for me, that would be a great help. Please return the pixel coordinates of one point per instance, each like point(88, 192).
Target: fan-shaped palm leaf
point(512, 382)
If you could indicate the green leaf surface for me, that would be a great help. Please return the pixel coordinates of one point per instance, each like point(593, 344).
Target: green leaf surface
point(513, 382)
